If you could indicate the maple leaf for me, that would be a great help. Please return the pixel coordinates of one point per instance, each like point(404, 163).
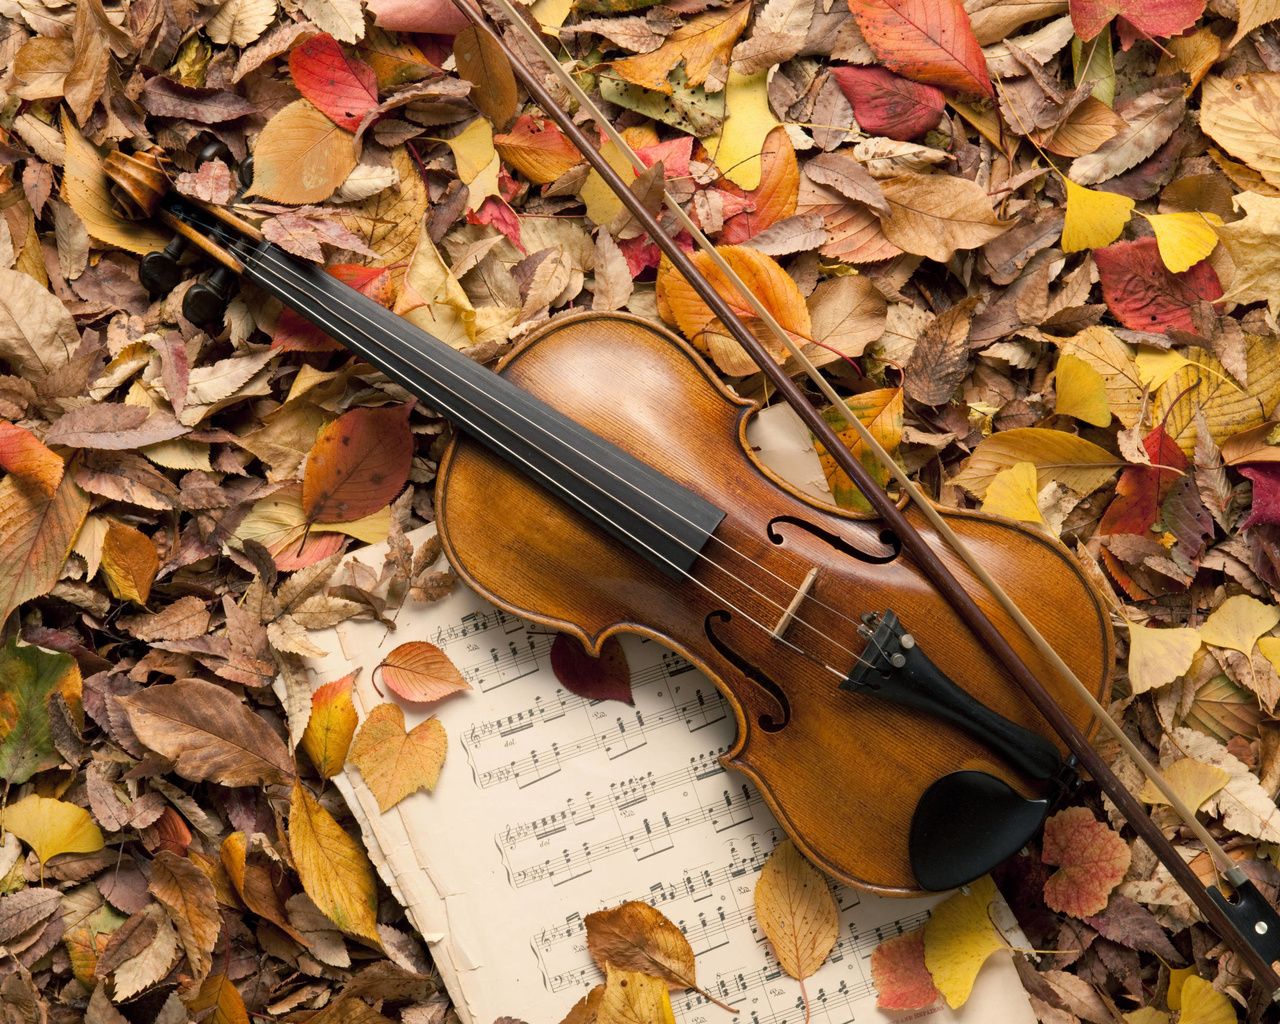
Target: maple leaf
point(395, 763)
point(1091, 858)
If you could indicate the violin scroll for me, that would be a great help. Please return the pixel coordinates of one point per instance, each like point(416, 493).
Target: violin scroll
point(138, 181)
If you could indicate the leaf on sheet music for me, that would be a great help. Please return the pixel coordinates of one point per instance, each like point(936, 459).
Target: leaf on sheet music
point(420, 671)
point(587, 1009)
point(395, 763)
point(899, 973)
point(795, 908)
point(958, 938)
point(634, 998)
point(607, 677)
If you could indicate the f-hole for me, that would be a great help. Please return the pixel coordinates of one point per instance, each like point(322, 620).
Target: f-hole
point(887, 537)
point(767, 722)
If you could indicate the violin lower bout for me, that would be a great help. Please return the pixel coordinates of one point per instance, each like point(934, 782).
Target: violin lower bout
point(842, 771)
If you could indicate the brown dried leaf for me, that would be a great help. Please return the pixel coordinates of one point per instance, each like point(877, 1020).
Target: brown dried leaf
point(189, 897)
point(934, 215)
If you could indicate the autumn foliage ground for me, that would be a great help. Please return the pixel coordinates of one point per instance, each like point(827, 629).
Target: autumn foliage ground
point(1036, 243)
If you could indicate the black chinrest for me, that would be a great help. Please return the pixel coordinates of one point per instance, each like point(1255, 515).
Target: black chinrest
point(965, 824)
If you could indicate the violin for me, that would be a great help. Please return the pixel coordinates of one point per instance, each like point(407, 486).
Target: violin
point(898, 719)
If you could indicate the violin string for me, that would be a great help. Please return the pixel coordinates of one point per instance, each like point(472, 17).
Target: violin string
point(277, 262)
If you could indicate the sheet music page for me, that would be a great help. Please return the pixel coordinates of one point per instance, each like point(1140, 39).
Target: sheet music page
point(551, 806)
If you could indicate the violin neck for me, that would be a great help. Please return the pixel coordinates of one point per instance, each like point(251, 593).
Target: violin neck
point(657, 518)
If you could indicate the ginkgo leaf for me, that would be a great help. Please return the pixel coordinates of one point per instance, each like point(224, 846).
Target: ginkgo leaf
point(900, 975)
point(678, 302)
point(1155, 366)
point(1070, 460)
point(1114, 360)
point(1204, 1004)
point(633, 998)
point(926, 41)
point(1146, 1015)
point(358, 464)
point(51, 827)
point(1159, 656)
point(1081, 392)
point(334, 868)
point(1094, 219)
point(301, 156)
point(1012, 494)
point(738, 146)
point(703, 42)
point(1238, 622)
point(330, 726)
point(1091, 860)
point(958, 939)
point(420, 671)
point(1184, 238)
point(394, 763)
point(473, 149)
point(796, 911)
point(1193, 781)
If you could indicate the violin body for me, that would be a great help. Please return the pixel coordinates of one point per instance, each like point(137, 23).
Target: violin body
point(842, 771)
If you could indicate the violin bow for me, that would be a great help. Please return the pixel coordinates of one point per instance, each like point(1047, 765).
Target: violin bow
point(1249, 924)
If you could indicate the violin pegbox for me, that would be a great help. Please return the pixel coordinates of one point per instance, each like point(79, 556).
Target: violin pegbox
point(138, 181)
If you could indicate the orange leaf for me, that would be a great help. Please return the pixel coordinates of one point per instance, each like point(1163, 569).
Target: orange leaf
point(899, 973)
point(775, 197)
point(219, 995)
point(703, 43)
point(925, 40)
point(1091, 857)
point(26, 457)
point(331, 726)
point(358, 464)
point(36, 533)
point(680, 304)
point(395, 763)
point(130, 562)
point(537, 149)
point(301, 156)
point(482, 62)
point(420, 671)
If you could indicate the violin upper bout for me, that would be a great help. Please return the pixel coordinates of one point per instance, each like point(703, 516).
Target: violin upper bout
point(138, 181)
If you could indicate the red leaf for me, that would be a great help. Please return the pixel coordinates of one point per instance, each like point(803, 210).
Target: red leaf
point(1092, 861)
point(295, 333)
point(1141, 292)
point(358, 464)
point(925, 40)
point(888, 104)
point(607, 677)
point(494, 211)
point(294, 554)
point(774, 199)
point(899, 974)
point(344, 88)
point(1138, 18)
point(1141, 490)
point(1266, 494)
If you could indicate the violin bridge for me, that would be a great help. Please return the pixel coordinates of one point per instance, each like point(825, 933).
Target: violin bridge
point(790, 613)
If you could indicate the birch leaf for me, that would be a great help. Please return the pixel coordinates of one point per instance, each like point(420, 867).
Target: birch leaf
point(637, 937)
point(189, 896)
point(420, 671)
point(935, 215)
point(332, 723)
point(241, 21)
point(36, 534)
point(796, 911)
point(633, 998)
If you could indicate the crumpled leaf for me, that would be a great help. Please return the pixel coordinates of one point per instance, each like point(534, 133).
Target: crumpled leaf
point(330, 726)
point(926, 41)
point(51, 827)
point(607, 677)
point(898, 972)
point(358, 464)
point(1159, 656)
point(394, 763)
point(934, 215)
point(420, 671)
point(1193, 781)
point(1254, 245)
point(1238, 622)
point(958, 939)
point(23, 455)
point(1091, 857)
point(795, 909)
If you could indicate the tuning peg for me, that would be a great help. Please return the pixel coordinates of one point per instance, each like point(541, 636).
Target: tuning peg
point(159, 271)
point(206, 301)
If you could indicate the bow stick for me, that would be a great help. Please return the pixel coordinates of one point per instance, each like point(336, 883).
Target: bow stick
point(1249, 924)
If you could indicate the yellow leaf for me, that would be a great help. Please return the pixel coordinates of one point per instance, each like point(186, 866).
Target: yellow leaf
point(220, 995)
point(703, 43)
point(958, 938)
point(881, 413)
point(1147, 1015)
point(679, 303)
point(1081, 391)
point(334, 869)
point(1253, 13)
point(301, 156)
point(51, 827)
point(1204, 1004)
point(796, 910)
point(748, 121)
point(1240, 115)
point(394, 763)
point(330, 727)
point(280, 521)
point(1204, 386)
point(1238, 622)
point(1193, 781)
point(1113, 359)
point(129, 562)
point(601, 201)
point(1159, 656)
point(551, 13)
point(473, 150)
point(1012, 494)
point(1070, 460)
point(1094, 219)
point(634, 998)
point(485, 183)
point(1177, 978)
point(434, 300)
point(1254, 244)
point(1184, 238)
point(1156, 366)
point(1270, 648)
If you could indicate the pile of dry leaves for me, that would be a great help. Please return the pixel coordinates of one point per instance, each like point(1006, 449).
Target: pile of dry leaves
point(1037, 243)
